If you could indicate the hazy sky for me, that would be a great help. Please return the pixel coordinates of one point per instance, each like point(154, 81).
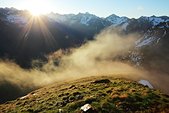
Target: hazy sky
point(102, 8)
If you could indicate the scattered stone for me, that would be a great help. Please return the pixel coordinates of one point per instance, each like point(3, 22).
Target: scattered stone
point(86, 108)
point(34, 94)
point(60, 111)
point(146, 83)
point(24, 97)
point(78, 97)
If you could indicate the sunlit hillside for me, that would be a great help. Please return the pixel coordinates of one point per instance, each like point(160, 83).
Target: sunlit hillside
point(100, 94)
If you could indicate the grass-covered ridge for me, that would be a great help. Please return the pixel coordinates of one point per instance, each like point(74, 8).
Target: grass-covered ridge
point(105, 94)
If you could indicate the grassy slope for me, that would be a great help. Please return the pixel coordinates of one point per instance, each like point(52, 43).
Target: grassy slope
point(105, 94)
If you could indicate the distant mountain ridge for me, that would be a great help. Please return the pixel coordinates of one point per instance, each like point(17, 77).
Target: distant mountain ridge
point(72, 30)
point(14, 15)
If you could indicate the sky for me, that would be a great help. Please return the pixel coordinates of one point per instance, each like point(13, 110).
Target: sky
point(102, 8)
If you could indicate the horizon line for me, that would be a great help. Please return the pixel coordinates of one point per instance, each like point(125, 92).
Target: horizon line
point(85, 13)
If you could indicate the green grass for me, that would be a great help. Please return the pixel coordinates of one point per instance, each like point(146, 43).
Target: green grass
point(105, 94)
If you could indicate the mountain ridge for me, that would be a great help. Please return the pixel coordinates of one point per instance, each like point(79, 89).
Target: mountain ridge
point(73, 30)
point(113, 16)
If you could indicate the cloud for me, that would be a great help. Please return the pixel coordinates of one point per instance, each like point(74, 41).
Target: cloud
point(95, 58)
point(91, 59)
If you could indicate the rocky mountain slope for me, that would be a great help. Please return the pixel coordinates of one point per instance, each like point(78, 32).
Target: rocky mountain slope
point(94, 94)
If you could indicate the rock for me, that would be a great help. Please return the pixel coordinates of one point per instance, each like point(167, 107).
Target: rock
point(25, 97)
point(60, 111)
point(87, 108)
point(146, 83)
point(78, 97)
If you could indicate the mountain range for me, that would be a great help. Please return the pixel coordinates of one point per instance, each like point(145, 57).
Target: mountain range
point(24, 38)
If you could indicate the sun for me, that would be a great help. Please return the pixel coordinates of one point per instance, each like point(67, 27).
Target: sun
point(37, 7)
point(36, 12)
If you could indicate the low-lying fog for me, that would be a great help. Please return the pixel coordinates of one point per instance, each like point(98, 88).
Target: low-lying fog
point(94, 58)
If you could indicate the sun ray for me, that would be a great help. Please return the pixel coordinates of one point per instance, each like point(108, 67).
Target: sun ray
point(49, 38)
point(36, 21)
point(24, 34)
point(42, 28)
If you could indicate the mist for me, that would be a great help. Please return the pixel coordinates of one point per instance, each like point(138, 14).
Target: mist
point(94, 58)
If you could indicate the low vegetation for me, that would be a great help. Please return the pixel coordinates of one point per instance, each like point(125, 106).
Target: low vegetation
point(104, 94)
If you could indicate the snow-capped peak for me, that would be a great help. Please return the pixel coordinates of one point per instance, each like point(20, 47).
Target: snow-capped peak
point(17, 19)
point(13, 15)
point(82, 18)
point(155, 20)
point(85, 18)
point(60, 18)
point(116, 20)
